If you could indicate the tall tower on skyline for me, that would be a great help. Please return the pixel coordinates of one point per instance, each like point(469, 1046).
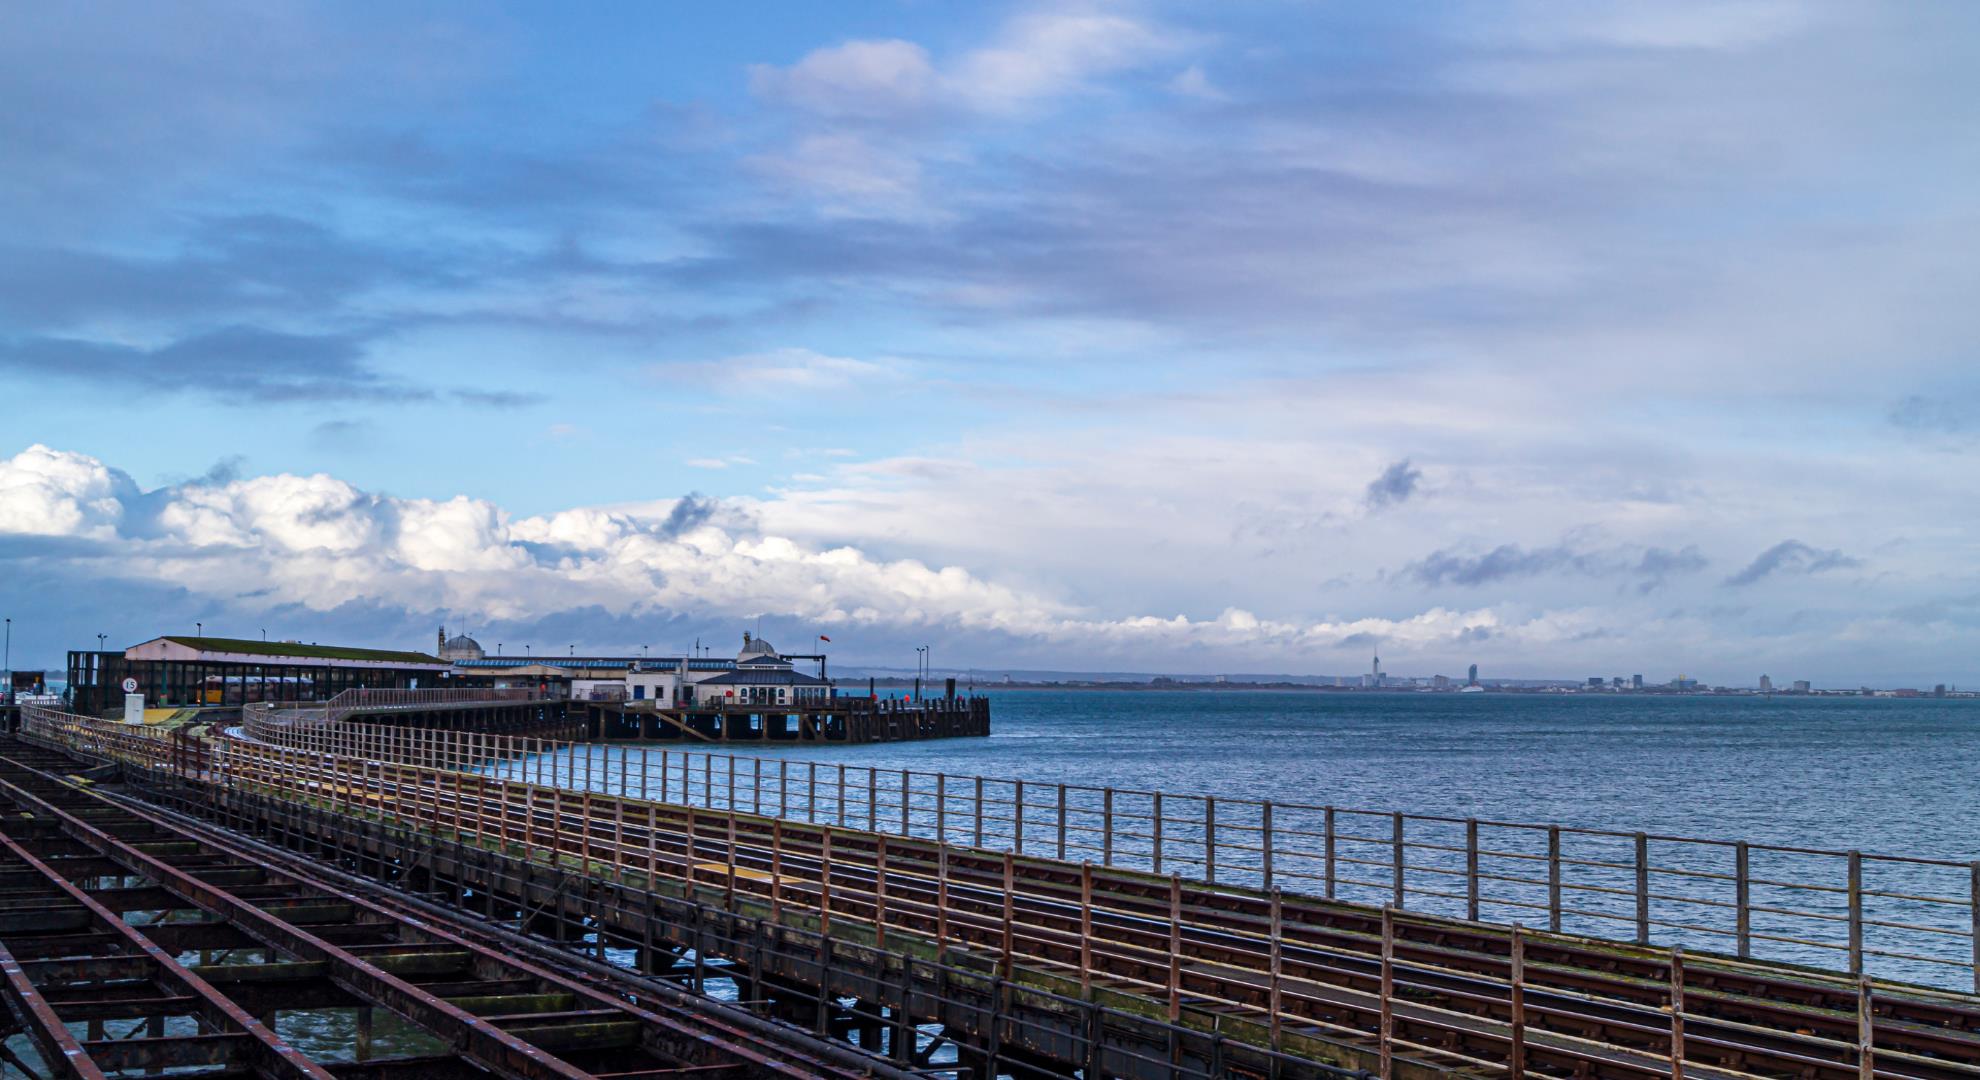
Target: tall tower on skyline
point(1471, 677)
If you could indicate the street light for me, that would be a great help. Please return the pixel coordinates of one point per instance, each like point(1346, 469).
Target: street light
point(7, 664)
point(920, 654)
point(199, 629)
point(99, 641)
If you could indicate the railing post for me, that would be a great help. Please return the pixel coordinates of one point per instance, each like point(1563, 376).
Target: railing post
point(1471, 882)
point(1010, 890)
point(880, 892)
point(872, 800)
point(1742, 900)
point(1388, 1029)
point(1866, 1031)
point(941, 902)
point(1017, 816)
point(777, 870)
point(1856, 913)
point(907, 799)
point(1209, 839)
point(1274, 1003)
point(731, 906)
point(1156, 843)
point(1175, 947)
point(941, 808)
point(665, 757)
point(1107, 827)
point(979, 815)
point(1265, 842)
point(1062, 822)
point(1086, 929)
point(1554, 878)
point(1517, 996)
point(1677, 1012)
point(1396, 850)
point(1642, 889)
point(1329, 834)
point(824, 883)
point(1973, 909)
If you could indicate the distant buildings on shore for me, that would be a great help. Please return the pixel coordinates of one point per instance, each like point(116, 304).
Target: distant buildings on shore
point(1375, 679)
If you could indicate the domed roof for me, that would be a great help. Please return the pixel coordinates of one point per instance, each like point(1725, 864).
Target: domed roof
point(756, 647)
point(461, 647)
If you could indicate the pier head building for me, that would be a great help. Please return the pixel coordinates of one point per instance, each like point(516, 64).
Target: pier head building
point(182, 671)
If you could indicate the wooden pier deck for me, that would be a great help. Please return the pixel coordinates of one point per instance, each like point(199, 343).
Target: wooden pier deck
point(964, 959)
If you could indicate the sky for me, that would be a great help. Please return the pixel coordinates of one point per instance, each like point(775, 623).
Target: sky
point(1562, 339)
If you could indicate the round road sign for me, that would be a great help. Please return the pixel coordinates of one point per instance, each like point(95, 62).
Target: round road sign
point(130, 686)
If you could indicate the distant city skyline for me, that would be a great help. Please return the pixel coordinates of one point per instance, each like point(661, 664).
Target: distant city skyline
point(1608, 339)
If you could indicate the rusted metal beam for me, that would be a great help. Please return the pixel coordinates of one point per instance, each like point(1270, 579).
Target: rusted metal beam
point(261, 1044)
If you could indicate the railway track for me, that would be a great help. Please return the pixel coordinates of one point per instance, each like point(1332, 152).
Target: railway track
point(100, 902)
point(1448, 994)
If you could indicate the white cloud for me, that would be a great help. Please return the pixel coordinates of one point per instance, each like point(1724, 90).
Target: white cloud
point(316, 542)
point(46, 492)
point(1032, 57)
point(1049, 53)
point(783, 370)
point(857, 78)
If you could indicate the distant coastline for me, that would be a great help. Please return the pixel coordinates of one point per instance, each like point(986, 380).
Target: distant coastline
point(1496, 686)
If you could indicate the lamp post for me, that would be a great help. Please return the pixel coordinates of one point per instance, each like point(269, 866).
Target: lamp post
point(99, 641)
point(7, 664)
point(920, 654)
point(199, 629)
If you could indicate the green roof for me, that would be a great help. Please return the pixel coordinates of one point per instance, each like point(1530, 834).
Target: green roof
point(308, 652)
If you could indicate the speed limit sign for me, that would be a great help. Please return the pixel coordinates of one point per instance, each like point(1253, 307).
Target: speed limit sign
point(130, 686)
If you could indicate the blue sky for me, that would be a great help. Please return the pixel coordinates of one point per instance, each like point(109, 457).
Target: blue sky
point(1130, 336)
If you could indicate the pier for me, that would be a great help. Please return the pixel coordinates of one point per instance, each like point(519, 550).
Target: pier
point(523, 712)
point(840, 720)
point(925, 923)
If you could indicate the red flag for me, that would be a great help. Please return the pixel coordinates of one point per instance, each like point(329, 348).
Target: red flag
point(822, 637)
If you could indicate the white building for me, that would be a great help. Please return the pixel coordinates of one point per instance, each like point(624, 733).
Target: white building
point(760, 677)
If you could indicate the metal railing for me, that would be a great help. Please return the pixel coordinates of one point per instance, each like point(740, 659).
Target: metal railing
point(549, 805)
point(1894, 916)
point(262, 714)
